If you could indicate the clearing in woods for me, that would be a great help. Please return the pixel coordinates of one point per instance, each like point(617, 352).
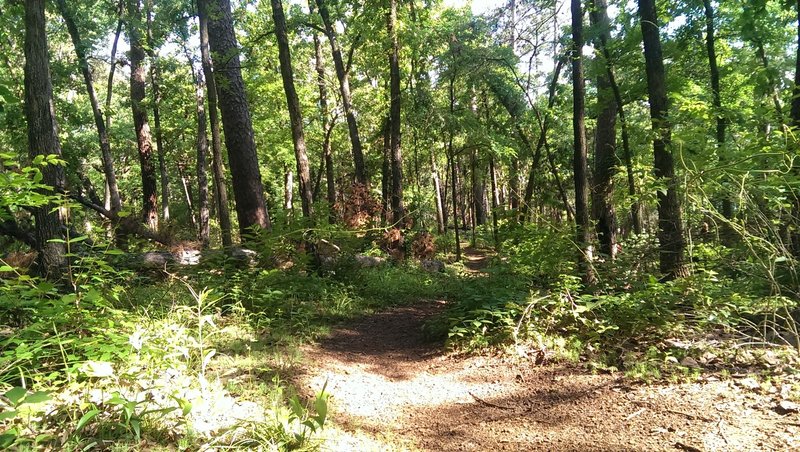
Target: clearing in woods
point(393, 390)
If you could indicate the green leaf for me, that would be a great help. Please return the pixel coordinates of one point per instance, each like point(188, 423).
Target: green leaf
point(8, 415)
point(8, 438)
point(86, 418)
point(15, 394)
point(37, 397)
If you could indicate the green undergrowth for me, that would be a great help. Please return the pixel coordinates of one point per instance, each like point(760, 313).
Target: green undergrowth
point(728, 316)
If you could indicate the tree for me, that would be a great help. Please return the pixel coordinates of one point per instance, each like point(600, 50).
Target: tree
point(239, 139)
point(327, 125)
point(398, 211)
point(144, 140)
point(43, 139)
point(102, 132)
point(155, 83)
point(579, 146)
point(293, 104)
point(218, 170)
point(605, 143)
point(670, 224)
point(342, 73)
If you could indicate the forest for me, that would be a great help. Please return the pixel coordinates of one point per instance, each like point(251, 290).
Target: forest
point(399, 225)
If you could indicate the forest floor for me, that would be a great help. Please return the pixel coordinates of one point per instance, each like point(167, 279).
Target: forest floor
point(391, 389)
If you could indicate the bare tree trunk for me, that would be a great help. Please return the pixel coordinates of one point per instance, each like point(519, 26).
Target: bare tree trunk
point(670, 225)
point(386, 173)
point(579, 163)
point(437, 191)
point(344, 87)
point(43, 139)
point(155, 79)
point(202, 153)
point(495, 202)
point(605, 160)
point(143, 138)
point(319, 66)
point(113, 62)
point(239, 137)
point(220, 189)
point(115, 203)
point(187, 193)
point(295, 113)
point(398, 210)
point(454, 186)
point(288, 191)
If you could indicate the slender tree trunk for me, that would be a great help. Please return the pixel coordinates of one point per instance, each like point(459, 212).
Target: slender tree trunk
point(143, 138)
point(113, 63)
point(437, 191)
point(43, 139)
point(319, 66)
point(288, 191)
point(202, 156)
point(795, 113)
point(115, 202)
point(579, 147)
point(239, 137)
point(155, 81)
point(605, 159)
point(540, 143)
point(220, 189)
point(454, 187)
point(398, 210)
point(386, 173)
point(295, 113)
point(670, 225)
point(187, 194)
point(344, 87)
point(495, 202)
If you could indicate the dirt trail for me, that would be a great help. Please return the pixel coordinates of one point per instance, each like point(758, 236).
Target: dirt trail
point(392, 390)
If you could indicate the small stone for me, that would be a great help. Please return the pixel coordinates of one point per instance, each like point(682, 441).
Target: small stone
point(690, 362)
point(749, 383)
point(787, 406)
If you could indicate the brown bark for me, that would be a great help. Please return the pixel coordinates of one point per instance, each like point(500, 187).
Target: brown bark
point(605, 158)
point(155, 78)
point(295, 113)
point(398, 210)
point(386, 174)
point(437, 191)
point(239, 137)
point(670, 226)
point(344, 87)
point(319, 66)
point(579, 162)
point(220, 189)
point(100, 123)
point(143, 138)
point(202, 156)
point(43, 139)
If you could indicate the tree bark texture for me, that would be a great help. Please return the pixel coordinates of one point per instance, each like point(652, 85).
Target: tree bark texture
point(144, 139)
point(295, 113)
point(100, 123)
point(218, 167)
point(579, 159)
point(398, 210)
point(605, 158)
point(670, 225)
point(239, 137)
point(344, 87)
point(43, 138)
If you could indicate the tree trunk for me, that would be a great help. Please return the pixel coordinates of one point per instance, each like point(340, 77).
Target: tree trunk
point(495, 202)
point(605, 158)
point(437, 191)
point(143, 138)
point(670, 226)
point(220, 189)
point(43, 139)
point(113, 63)
point(398, 210)
point(115, 203)
point(579, 147)
point(319, 66)
point(239, 137)
point(295, 114)
point(155, 80)
point(288, 191)
point(344, 87)
point(202, 153)
point(795, 113)
point(386, 173)
point(454, 186)
point(187, 194)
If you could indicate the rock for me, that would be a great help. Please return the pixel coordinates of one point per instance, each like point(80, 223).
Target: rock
point(243, 255)
point(188, 257)
point(365, 261)
point(787, 406)
point(157, 259)
point(749, 383)
point(690, 362)
point(432, 265)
